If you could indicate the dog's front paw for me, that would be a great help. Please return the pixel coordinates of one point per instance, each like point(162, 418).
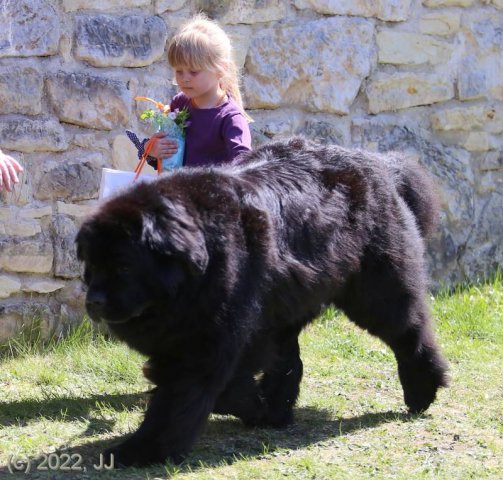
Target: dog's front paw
point(125, 455)
point(110, 459)
point(117, 457)
point(138, 454)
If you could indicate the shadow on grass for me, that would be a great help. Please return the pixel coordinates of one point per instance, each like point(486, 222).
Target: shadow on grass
point(67, 408)
point(225, 440)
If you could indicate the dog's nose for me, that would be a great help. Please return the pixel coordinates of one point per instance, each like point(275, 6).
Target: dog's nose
point(95, 304)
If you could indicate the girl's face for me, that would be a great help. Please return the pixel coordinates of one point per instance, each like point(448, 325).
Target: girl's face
point(197, 84)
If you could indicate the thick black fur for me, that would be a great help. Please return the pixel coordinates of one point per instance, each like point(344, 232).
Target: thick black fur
point(212, 273)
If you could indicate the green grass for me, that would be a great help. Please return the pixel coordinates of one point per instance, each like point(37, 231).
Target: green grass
point(77, 394)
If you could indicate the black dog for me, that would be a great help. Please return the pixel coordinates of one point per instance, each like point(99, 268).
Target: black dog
point(212, 273)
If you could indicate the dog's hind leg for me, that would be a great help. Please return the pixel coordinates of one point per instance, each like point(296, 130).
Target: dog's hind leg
point(242, 399)
point(421, 367)
point(397, 313)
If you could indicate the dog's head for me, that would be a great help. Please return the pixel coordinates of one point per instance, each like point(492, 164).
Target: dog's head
point(139, 250)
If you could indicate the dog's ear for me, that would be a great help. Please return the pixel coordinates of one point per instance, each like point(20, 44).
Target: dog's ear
point(82, 241)
point(172, 231)
point(79, 246)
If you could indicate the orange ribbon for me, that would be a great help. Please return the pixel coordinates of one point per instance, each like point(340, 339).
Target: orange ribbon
point(143, 159)
point(163, 108)
point(150, 144)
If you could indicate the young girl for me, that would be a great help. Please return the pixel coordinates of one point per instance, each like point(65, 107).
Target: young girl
point(201, 55)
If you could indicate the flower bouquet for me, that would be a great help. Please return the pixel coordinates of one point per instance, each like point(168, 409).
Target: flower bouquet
point(173, 123)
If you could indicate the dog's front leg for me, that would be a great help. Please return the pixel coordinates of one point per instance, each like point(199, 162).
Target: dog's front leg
point(169, 429)
point(177, 411)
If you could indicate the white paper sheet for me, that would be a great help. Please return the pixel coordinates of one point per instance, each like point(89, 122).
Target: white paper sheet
point(113, 181)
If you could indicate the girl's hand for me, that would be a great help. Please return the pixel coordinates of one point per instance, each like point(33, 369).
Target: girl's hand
point(9, 168)
point(162, 147)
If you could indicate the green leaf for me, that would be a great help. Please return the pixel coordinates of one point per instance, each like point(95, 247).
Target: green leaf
point(147, 114)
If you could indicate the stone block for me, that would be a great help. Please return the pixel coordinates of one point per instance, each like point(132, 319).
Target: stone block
point(9, 284)
point(472, 141)
point(162, 6)
point(20, 228)
point(478, 142)
point(9, 324)
point(28, 28)
point(21, 91)
point(492, 162)
point(244, 11)
point(318, 65)
point(37, 212)
point(41, 285)
point(387, 10)
point(493, 118)
point(483, 251)
point(395, 92)
point(274, 124)
point(34, 318)
point(327, 130)
point(64, 231)
point(440, 23)
point(32, 134)
point(28, 256)
point(91, 141)
point(76, 5)
point(405, 48)
point(481, 66)
point(6, 213)
point(477, 117)
point(89, 101)
point(472, 81)
point(448, 3)
point(461, 118)
point(74, 210)
point(71, 177)
point(240, 37)
point(73, 294)
point(22, 193)
point(12, 224)
point(127, 41)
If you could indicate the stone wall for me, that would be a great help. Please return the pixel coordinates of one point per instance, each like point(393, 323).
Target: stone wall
point(425, 77)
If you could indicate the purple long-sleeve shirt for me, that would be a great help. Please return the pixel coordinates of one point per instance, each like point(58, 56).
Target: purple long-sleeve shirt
point(214, 135)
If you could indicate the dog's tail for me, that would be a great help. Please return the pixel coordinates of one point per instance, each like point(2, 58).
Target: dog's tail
point(416, 186)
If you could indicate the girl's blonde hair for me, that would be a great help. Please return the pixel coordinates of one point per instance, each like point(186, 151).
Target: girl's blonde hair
point(201, 44)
